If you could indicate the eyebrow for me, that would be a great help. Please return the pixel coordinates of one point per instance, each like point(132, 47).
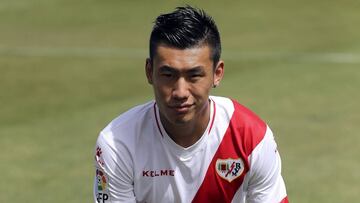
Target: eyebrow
point(166, 68)
point(197, 69)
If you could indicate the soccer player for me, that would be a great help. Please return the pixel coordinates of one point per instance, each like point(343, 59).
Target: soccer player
point(187, 146)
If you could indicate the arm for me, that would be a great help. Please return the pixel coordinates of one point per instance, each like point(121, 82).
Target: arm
point(114, 177)
point(266, 184)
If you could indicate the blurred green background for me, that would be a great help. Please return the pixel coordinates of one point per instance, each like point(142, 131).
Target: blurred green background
point(67, 68)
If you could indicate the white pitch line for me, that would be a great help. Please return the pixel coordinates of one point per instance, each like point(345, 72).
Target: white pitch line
point(324, 57)
point(72, 51)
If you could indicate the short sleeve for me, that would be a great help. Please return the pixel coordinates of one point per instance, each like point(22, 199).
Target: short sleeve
point(113, 171)
point(266, 184)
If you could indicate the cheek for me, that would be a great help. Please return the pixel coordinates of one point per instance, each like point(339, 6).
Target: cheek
point(161, 91)
point(201, 90)
point(204, 84)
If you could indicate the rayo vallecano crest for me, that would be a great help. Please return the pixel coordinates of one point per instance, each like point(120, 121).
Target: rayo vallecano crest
point(229, 169)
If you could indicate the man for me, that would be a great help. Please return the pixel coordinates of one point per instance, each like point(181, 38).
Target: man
point(187, 146)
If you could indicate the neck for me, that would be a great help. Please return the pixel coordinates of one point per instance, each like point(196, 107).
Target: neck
point(187, 134)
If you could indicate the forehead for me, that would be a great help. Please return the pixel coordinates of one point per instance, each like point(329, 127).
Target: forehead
point(183, 58)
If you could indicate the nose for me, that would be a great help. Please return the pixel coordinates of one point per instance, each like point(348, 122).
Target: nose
point(180, 89)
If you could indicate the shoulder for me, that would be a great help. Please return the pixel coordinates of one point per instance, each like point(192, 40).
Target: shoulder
point(130, 117)
point(125, 124)
point(238, 112)
point(124, 129)
point(117, 141)
point(244, 125)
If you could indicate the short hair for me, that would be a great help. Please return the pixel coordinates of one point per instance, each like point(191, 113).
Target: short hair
point(186, 27)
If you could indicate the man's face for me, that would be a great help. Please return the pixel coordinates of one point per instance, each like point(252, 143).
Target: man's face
point(182, 79)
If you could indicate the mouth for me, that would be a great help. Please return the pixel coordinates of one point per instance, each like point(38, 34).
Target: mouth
point(181, 109)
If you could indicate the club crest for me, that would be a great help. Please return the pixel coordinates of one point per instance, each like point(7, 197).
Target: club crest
point(229, 169)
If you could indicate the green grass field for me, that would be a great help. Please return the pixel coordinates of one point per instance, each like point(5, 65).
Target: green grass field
point(67, 68)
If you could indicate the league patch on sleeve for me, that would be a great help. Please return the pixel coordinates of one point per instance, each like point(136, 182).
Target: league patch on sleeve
point(101, 187)
point(229, 169)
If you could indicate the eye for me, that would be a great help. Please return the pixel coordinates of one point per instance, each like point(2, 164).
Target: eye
point(167, 74)
point(195, 75)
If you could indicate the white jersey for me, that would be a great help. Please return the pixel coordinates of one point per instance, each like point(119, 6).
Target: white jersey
point(235, 160)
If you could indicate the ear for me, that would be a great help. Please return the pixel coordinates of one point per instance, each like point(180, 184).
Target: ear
point(149, 70)
point(218, 73)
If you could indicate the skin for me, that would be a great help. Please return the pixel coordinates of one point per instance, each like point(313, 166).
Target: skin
point(182, 80)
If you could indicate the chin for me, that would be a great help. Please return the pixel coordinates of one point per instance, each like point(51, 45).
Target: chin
point(181, 119)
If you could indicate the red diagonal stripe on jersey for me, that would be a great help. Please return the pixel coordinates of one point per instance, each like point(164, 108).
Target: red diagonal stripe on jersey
point(285, 200)
point(244, 133)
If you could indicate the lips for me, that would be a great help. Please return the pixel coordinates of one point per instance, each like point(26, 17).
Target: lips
point(181, 109)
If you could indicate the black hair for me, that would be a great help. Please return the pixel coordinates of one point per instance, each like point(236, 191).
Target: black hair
point(186, 27)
